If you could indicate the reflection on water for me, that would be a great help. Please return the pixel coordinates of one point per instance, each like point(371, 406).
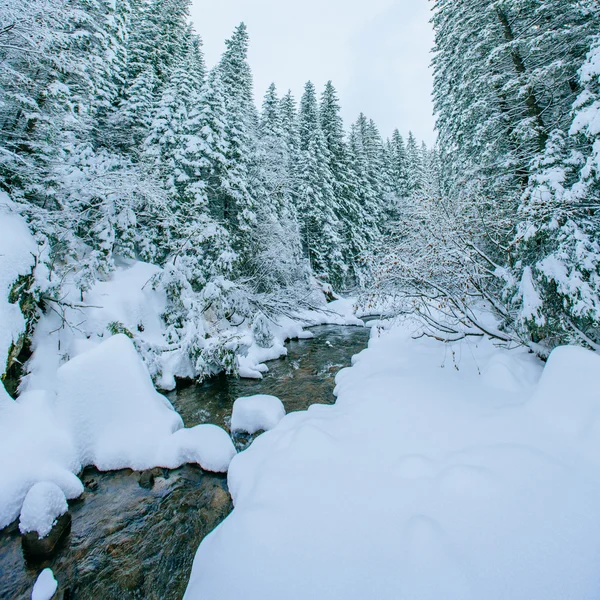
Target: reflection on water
point(128, 542)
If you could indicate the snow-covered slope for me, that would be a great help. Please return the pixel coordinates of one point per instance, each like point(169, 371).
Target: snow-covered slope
point(443, 471)
point(17, 257)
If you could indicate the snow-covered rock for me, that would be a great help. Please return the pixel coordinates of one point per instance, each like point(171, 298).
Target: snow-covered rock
point(17, 256)
point(207, 445)
point(256, 413)
point(45, 586)
point(107, 400)
point(425, 480)
point(44, 503)
point(106, 413)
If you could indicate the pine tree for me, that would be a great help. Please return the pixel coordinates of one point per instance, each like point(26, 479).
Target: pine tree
point(237, 202)
point(399, 165)
point(316, 194)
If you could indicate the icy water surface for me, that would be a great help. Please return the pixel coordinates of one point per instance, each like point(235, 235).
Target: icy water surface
point(128, 542)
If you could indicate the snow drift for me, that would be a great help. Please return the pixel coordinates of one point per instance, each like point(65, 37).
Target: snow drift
point(426, 480)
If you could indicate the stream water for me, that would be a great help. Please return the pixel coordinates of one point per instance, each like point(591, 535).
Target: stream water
point(130, 542)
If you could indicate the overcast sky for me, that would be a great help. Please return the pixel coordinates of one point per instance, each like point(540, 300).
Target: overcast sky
point(377, 53)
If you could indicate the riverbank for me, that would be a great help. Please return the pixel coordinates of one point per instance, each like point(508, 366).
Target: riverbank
point(457, 471)
point(129, 541)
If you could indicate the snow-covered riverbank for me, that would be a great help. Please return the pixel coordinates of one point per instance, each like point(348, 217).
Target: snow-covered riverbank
point(444, 471)
point(88, 397)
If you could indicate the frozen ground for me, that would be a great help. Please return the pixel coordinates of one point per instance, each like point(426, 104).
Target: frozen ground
point(443, 471)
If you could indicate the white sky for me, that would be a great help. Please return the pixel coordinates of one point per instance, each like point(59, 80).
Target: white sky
point(377, 53)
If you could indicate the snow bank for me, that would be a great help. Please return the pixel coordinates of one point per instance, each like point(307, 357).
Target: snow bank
point(17, 252)
point(426, 480)
point(256, 413)
point(207, 445)
point(107, 400)
point(44, 503)
point(45, 586)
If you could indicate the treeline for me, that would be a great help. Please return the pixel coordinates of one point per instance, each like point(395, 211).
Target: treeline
point(118, 143)
point(513, 222)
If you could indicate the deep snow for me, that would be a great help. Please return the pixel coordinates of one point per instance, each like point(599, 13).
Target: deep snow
point(106, 413)
point(443, 471)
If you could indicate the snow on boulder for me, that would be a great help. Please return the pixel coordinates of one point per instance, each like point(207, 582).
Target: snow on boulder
point(256, 413)
point(45, 586)
point(44, 503)
point(107, 400)
point(34, 446)
point(207, 445)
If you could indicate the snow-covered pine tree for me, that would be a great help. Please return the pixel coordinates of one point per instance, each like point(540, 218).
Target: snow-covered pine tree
point(237, 203)
point(399, 165)
point(414, 162)
point(554, 287)
point(316, 194)
point(355, 234)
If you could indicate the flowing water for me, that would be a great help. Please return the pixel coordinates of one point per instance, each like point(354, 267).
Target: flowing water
point(130, 542)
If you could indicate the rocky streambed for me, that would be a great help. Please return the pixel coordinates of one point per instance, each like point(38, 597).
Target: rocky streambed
point(134, 535)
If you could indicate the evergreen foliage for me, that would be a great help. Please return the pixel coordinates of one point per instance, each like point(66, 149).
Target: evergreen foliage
point(118, 144)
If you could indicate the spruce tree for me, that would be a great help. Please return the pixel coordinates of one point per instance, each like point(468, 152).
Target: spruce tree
point(316, 194)
point(238, 207)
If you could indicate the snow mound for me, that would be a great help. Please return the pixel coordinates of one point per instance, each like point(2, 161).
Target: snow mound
point(256, 413)
point(45, 586)
point(17, 251)
point(207, 445)
point(107, 401)
point(34, 446)
point(44, 503)
point(568, 395)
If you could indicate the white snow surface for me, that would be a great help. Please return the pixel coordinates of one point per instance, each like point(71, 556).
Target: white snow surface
point(127, 299)
point(17, 252)
point(118, 420)
point(426, 480)
point(256, 413)
point(45, 586)
point(44, 503)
